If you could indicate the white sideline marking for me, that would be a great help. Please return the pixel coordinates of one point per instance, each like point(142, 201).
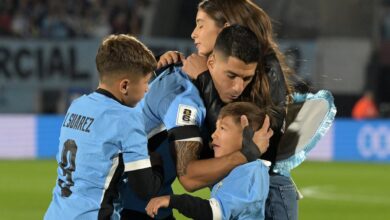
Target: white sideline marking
point(333, 194)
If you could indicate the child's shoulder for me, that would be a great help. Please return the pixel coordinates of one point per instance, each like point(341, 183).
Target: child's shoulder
point(249, 169)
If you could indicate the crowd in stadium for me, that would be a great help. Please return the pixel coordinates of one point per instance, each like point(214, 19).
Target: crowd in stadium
point(72, 18)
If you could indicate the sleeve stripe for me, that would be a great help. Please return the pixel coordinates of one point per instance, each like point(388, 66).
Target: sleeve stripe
point(198, 139)
point(266, 163)
point(183, 132)
point(137, 165)
point(156, 130)
point(216, 209)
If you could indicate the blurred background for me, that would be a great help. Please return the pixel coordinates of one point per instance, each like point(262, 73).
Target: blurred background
point(47, 53)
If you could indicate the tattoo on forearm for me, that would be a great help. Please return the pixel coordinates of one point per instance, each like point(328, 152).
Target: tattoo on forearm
point(186, 151)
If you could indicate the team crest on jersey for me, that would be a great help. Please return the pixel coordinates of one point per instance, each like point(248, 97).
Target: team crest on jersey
point(186, 115)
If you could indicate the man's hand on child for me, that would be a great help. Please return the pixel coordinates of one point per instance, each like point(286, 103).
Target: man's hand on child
point(262, 136)
point(254, 144)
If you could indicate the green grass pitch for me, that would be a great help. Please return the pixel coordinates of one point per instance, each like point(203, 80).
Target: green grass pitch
point(331, 190)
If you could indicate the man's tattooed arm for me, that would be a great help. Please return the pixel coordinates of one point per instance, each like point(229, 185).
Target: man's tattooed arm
point(195, 174)
point(186, 151)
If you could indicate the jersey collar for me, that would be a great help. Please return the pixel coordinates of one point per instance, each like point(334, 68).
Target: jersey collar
point(108, 94)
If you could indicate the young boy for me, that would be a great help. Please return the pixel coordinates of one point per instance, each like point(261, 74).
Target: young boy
point(241, 194)
point(103, 136)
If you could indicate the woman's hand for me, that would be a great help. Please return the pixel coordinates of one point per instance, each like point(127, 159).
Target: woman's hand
point(194, 65)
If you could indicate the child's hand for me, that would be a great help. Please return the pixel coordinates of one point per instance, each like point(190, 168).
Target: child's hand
point(156, 203)
point(169, 57)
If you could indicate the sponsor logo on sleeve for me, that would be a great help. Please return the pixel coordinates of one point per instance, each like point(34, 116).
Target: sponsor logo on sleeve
point(186, 115)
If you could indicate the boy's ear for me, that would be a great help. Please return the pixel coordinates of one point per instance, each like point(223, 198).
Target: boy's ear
point(124, 85)
point(244, 121)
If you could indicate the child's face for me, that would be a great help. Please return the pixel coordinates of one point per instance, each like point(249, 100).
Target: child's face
point(227, 138)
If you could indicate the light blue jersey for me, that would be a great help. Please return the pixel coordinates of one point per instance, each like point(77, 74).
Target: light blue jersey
point(100, 139)
point(241, 194)
point(172, 102)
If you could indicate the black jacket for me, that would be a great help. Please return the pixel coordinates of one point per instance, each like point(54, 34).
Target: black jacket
point(278, 92)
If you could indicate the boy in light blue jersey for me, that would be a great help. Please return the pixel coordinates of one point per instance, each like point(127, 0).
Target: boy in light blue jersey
point(174, 115)
point(103, 136)
point(241, 194)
